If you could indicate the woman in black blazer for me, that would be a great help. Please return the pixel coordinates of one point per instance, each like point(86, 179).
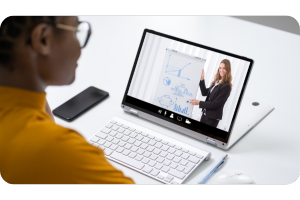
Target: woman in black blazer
point(216, 95)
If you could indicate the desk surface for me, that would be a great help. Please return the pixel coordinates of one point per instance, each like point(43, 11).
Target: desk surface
point(269, 152)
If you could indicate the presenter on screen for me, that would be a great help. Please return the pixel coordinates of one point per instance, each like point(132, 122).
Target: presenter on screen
point(216, 95)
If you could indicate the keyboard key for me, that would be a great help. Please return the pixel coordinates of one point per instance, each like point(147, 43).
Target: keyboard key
point(139, 137)
point(185, 156)
point(102, 147)
point(140, 151)
point(119, 135)
point(154, 172)
point(145, 140)
point(147, 154)
point(150, 148)
point(164, 142)
point(95, 139)
point(183, 162)
point(121, 130)
point(132, 154)
point(180, 168)
point(173, 165)
point(199, 156)
point(165, 147)
point(163, 154)
point(157, 151)
point(119, 124)
point(192, 153)
point(184, 150)
point(170, 144)
point(126, 132)
point(134, 148)
point(158, 166)
point(138, 131)
point(96, 144)
point(171, 150)
point(170, 156)
point(108, 151)
point(170, 177)
point(177, 147)
point(101, 135)
point(165, 169)
point(125, 138)
point(124, 126)
point(121, 143)
point(127, 160)
point(153, 157)
point(139, 157)
point(160, 159)
point(113, 133)
point(145, 160)
point(126, 152)
point(160, 176)
point(178, 153)
point(147, 169)
point(107, 144)
point(193, 159)
point(113, 122)
point(150, 136)
point(120, 149)
point(131, 140)
point(113, 147)
point(157, 139)
point(176, 173)
point(174, 182)
point(151, 163)
point(114, 127)
point(167, 162)
point(137, 143)
point(188, 168)
point(109, 138)
point(176, 159)
point(144, 134)
point(167, 180)
point(127, 146)
point(105, 130)
point(133, 134)
point(152, 142)
point(101, 141)
point(131, 129)
point(144, 146)
point(158, 145)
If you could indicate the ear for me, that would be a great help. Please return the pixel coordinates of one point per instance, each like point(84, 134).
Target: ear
point(41, 37)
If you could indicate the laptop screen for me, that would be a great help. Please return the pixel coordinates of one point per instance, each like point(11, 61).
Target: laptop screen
point(188, 84)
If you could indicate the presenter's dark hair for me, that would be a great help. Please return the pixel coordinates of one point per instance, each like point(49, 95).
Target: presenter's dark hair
point(227, 78)
point(14, 27)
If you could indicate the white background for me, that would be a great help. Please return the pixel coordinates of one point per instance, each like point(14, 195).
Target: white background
point(269, 152)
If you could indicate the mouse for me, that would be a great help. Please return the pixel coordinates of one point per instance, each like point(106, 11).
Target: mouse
point(233, 177)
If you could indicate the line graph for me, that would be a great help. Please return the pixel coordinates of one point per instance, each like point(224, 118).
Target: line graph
point(175, 71)
point(177, 108)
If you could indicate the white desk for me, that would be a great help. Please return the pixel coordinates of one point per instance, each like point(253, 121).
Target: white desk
point(269, 152)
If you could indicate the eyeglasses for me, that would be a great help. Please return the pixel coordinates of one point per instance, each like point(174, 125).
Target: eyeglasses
point(83, 32)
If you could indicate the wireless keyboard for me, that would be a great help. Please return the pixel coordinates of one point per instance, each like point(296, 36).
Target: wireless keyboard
point(151, 153)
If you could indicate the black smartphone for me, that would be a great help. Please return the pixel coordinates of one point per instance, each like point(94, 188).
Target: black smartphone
point(79, 104)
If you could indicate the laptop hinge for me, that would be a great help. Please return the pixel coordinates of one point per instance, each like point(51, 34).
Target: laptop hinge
point(133, 111)
point(211, 141)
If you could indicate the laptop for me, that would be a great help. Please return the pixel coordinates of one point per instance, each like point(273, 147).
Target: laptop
point(166, 75)
point(193, 89)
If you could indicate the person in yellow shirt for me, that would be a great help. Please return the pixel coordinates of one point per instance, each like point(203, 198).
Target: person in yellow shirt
point(36, 52)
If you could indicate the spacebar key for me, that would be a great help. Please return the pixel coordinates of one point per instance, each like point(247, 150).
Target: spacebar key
point(127, 160)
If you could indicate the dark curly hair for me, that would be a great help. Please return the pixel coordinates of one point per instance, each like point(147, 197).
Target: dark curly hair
point(13, 27)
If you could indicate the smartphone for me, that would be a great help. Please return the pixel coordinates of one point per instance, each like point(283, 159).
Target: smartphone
point(79, 104)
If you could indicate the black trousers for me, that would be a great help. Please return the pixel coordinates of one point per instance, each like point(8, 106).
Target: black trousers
point(211, 122)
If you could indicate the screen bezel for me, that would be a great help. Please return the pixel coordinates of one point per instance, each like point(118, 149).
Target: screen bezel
point(204, 129)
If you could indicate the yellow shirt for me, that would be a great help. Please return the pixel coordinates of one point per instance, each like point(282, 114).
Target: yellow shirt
point(33, 149)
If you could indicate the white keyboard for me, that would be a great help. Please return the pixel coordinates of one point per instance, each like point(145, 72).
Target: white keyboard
point(158, 156)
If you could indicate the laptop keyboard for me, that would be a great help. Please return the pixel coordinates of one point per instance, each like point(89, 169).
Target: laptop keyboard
point(148, 152)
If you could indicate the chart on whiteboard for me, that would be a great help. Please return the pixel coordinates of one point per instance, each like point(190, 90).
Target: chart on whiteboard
point(178, 82)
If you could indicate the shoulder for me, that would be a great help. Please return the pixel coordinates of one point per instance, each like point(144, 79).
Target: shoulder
point(226, 86)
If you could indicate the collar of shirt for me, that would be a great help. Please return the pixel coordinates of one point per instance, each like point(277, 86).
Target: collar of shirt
point(11, 96)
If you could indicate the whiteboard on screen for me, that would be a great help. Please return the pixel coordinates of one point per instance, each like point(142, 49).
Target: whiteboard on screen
point(178, 82)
